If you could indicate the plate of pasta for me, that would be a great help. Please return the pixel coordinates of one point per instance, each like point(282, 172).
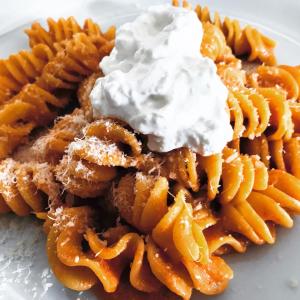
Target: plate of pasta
point(92, 208)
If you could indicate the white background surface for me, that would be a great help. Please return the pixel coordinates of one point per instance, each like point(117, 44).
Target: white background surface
point(267, 272)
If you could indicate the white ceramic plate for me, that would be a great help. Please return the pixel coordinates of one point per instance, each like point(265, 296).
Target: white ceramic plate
point(267, 272)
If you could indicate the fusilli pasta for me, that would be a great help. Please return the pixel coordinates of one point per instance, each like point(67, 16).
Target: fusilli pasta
point(26, 188)
point(30, 108)
point(64, 29)
point(51, 146)
point(286, 78)
point(22, 68)
point(263, 110)
point(247, 41)
point(107, 259)
point(271, 204)
point(168, 217)
point(79, 59)
point(90, 163)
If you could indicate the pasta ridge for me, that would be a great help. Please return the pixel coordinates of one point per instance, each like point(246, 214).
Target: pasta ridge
point(280, 154)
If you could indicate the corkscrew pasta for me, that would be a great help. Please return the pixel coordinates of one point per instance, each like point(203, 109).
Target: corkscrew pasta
point(26, 188)
point(158, 220)
point(79, 59)
point(243, 41)
point(271, 204)
point(286, 78)
point(62, 72)
point(107, 259)
point(22, 68)
point(90, 163)
point(64, 29)
point(262, 110)
point(30, 108)
point(51, 146)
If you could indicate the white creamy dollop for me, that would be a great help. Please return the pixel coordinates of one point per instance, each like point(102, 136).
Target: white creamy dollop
point(158, 82)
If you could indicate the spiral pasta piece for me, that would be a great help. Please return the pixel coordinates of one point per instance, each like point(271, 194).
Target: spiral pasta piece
point(240, 175)
point(79, 59)
point(30, 108)
point(76, 278)
point(90, 163)
point(212, 166)
point(104, 261)
point(286, 78)
point(22, 68)
point(51, 146)
point(232, 175)
point(109, 129)
point(176, 225)
point(26, 188)
point(142, 200)
point(250, 217)
point(263, 111)
point(247, 41)
point(64, 29)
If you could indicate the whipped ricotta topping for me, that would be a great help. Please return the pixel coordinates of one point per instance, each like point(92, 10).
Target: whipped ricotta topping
point(158, 82)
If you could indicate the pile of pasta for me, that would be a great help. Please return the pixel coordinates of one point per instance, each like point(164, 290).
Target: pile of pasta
point(112, 207)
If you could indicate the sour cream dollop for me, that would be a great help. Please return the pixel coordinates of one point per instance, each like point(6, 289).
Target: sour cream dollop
point(158, 82)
